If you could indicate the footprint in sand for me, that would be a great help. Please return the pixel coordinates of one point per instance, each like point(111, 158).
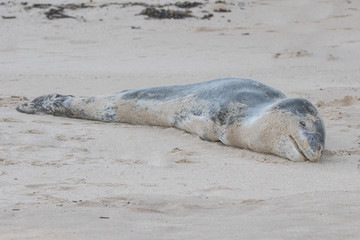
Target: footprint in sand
point(33, 131)
point(12, 101)
point(11, 120)
point(341, 153)
point(180, 156)
point(130, 161)
point(292, 54)
point(40, 121)
point(79, 138)
point(344, 102)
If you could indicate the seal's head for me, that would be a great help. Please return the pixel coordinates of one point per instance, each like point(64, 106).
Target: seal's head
point(290, 128)
point(306, 131)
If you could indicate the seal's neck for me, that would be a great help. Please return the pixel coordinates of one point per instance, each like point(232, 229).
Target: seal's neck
point(261, 132)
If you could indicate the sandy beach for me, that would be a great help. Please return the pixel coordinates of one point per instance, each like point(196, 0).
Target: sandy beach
point(63, 178)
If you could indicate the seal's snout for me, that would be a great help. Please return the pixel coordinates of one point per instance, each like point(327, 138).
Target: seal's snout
point(34, 107)
point(316, 140)
point(26, 108)
point(307, 149)
point(19, 109)
point(316, 146)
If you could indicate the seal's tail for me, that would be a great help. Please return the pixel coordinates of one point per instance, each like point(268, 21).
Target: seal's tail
point(92, 108)
point(53, 104)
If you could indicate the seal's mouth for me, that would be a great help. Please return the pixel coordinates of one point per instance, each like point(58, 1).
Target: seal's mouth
point(298, 148)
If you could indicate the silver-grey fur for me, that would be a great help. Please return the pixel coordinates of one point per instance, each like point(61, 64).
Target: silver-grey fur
point(238, 112)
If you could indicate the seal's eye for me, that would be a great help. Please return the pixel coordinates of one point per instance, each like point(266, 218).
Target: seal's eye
point(302, 123)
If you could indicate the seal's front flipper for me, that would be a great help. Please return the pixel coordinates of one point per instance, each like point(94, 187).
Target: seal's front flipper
point(53, 104)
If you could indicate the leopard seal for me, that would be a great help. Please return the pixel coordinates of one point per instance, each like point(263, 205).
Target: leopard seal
point(238, 112)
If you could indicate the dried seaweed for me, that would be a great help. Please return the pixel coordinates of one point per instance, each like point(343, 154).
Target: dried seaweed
point(187, 4)
point(56, 13)
point(153, 12)
point(8, 17)
point(156, 11)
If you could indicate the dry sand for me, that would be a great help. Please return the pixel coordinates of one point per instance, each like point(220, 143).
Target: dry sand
point(75, 179)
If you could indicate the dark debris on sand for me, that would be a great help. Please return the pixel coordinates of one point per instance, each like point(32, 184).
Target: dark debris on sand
point(55, 13)
point(40, 5)
point(8, 17)
point(187, 4)
point(207, 16)
point(153, 12)
point(222, 10)
point(71, 6)
point(131, 4)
